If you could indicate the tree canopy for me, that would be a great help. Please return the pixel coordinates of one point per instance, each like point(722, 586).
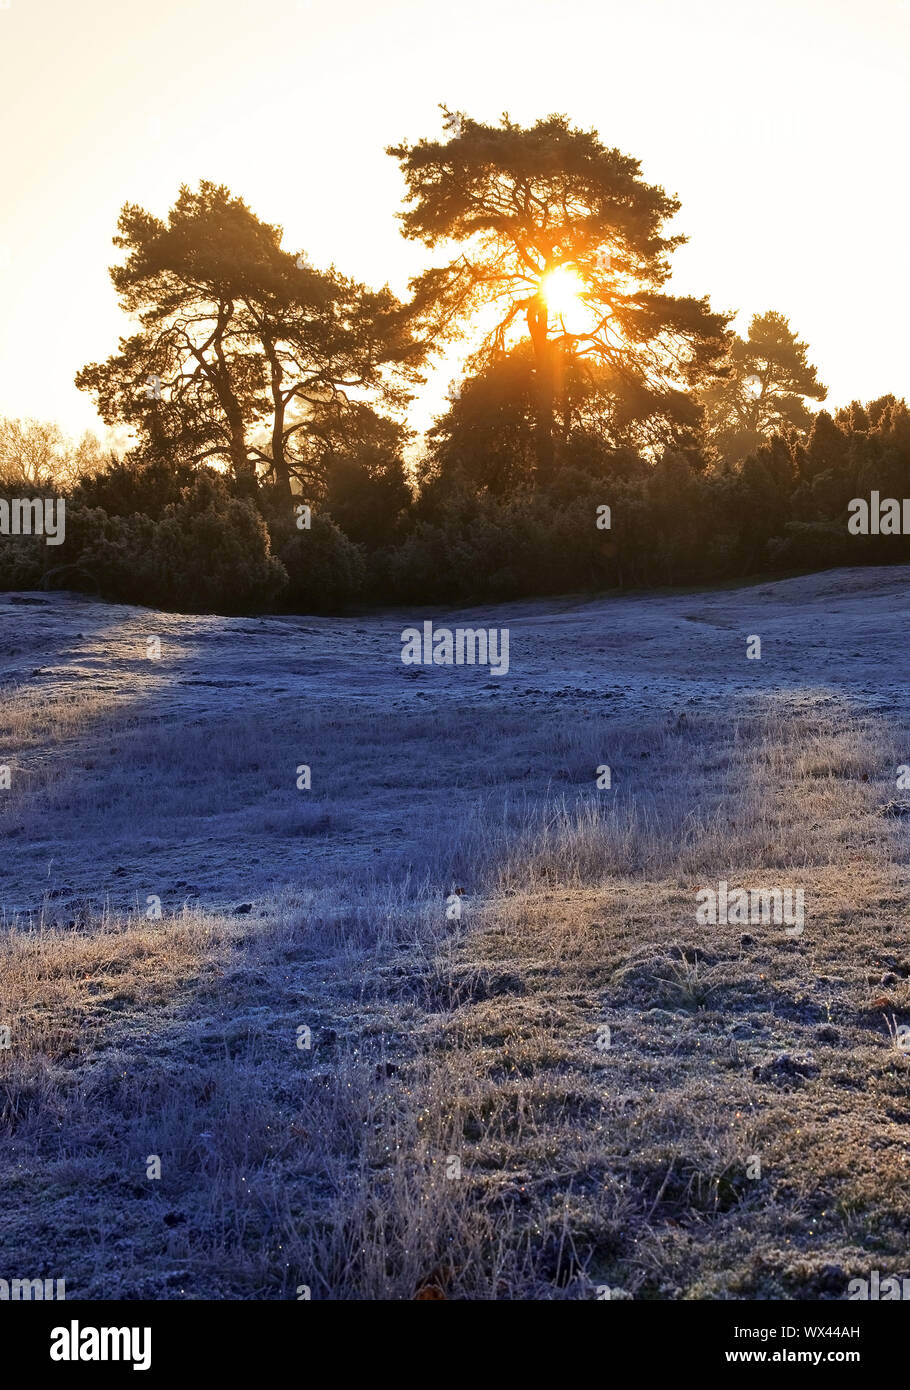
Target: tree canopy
point(769, 379)
point(547, 219)
point(245, 352)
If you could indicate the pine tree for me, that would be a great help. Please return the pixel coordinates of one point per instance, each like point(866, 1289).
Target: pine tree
point(768, 380)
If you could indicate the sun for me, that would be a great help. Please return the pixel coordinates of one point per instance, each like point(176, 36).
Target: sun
point(562, 289)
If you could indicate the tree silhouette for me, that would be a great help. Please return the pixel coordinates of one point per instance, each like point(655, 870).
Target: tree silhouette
point(244, 349)
point(765, 391)
point(525, 203)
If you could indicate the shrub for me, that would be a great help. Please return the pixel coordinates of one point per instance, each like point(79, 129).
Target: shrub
point(324, 569)
point(209, 551)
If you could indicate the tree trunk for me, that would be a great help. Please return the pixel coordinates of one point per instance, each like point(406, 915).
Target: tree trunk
point(279, 457)
point(282, 473)
point(242, 466)
point(544, 396)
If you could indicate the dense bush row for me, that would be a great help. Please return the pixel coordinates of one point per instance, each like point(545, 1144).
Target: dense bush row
point(150, 534)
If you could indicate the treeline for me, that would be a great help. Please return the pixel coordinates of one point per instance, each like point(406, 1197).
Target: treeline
point(145, 534)
point(605, 433)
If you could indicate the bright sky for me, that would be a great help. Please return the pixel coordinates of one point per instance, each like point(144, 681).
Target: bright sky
point(782, 125)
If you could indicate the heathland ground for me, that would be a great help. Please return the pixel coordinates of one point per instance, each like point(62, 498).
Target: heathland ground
point(457, 1126)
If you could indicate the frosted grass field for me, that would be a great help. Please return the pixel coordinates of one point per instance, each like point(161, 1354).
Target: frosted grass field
point(441, 1043)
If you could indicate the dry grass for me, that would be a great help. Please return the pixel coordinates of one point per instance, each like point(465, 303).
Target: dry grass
point(632, 1167)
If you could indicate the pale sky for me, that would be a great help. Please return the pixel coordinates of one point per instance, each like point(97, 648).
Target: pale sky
point(781, 124)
